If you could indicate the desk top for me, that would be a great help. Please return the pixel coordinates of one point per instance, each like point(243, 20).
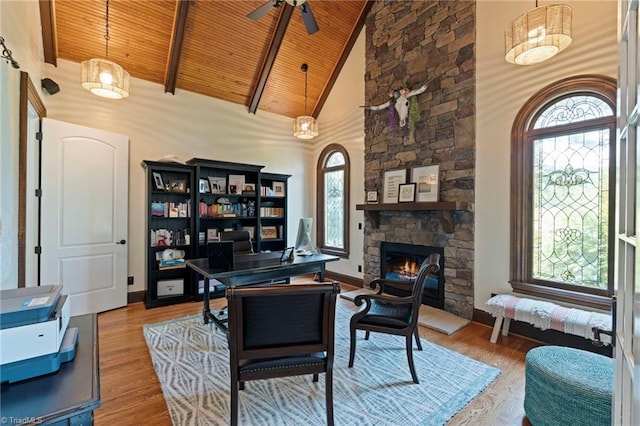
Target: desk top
point(73, 389)
point(259, 262)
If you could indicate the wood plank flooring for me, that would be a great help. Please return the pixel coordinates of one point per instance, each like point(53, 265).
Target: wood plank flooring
point(131, 393)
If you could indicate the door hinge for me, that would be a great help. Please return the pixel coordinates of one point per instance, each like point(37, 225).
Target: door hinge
point(39, 136)
point(38, 192)
point(37, 250)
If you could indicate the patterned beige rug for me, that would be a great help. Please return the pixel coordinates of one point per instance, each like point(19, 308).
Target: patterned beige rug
point(433, 318)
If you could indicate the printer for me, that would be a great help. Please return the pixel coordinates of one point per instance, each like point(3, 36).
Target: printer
point(34, 334)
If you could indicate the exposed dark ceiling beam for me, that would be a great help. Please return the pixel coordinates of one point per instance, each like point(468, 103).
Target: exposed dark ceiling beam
point(267, 65)
point(48, 32)
point(175, 48)
point(343, 58)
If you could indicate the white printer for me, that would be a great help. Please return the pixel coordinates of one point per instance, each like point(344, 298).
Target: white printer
point(34, 334)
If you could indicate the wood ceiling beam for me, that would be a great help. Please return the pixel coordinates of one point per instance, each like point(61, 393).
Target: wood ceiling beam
point(267, 65)
point(343, 58)
point(48, 23)
point(175, 47)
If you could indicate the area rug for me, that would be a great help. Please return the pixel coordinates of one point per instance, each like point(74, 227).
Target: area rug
point(433, 318)
point(192, 363)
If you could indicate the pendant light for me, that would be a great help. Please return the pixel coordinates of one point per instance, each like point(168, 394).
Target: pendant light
point(305, 126)
point(104, 77)
point(538, 35)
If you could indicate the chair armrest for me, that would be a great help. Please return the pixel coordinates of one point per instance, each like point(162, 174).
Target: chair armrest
point(380, 283)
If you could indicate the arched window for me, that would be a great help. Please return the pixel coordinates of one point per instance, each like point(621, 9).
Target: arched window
point(333, 201)
point(563, 189)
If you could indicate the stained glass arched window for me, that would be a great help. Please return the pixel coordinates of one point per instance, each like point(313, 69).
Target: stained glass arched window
point(563, 185)
point(333, 201)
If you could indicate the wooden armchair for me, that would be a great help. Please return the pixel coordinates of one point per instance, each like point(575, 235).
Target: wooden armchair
point(393, 315)
point(279, 331)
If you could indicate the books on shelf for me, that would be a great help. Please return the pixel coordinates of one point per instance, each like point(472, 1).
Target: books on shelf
point(168, 209)
point(171, 264)
point(272, 211)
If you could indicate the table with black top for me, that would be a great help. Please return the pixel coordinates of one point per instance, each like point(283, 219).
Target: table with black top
point(66, 397)
point(256, 268)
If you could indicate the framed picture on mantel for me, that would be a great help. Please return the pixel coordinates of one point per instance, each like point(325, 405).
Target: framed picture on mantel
point(392, 180)
point(426, 179)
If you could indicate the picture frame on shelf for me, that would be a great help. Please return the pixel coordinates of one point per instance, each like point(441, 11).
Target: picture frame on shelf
point(212, 234)
point(236, 183)
point(158, 184)
point(204, 186)
point(278, 189)
point(392, 180)
point(269, 233)
point(218, 185)
point(250, 230)
point(372, 197)
point(177, 185)
point(249, 189)
point(407, 192)
point(427, 182)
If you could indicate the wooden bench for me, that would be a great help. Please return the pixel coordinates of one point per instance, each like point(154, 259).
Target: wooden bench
point(547, 315)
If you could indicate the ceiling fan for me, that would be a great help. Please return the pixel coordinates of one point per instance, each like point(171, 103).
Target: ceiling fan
point(305, 10)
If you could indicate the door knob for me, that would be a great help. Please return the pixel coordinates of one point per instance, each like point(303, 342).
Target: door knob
point(121, 242)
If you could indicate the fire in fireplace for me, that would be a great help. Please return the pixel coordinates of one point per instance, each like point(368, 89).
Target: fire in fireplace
point(400, 261)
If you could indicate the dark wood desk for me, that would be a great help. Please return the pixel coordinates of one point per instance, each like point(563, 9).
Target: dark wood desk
point(256, 268)
point(66, 397)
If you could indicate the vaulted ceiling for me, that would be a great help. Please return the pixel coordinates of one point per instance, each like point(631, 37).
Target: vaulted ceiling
point(211, 47)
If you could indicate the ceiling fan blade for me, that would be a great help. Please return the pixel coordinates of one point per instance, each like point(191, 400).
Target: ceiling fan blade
point(261, 11)
point(307, 17)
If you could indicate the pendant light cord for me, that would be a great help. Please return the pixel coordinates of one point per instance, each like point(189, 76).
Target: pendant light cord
point(304, 69)
point(106, 32)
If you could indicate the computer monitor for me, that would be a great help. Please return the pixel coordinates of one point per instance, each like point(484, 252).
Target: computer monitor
point(304, 244)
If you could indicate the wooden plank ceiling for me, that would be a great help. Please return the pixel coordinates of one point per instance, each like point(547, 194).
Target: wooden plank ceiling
point(210, 47)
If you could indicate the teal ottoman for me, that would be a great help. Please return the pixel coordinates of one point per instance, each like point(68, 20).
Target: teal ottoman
point(566, 386)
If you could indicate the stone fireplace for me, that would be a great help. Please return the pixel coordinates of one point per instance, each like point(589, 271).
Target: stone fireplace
point(401, 262)
point(408, 44)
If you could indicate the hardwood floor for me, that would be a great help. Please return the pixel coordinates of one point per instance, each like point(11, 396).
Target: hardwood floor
point(131, 393)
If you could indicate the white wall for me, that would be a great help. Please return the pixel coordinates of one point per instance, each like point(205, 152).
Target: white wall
point(502, 89)
point(342, 122)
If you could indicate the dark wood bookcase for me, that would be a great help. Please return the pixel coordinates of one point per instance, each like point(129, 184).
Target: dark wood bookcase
point(220, 196)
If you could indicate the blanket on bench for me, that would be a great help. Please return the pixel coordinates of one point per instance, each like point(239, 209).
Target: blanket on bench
point(547, 315)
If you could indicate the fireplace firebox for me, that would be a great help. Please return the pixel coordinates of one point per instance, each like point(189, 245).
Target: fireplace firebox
point(399, 261)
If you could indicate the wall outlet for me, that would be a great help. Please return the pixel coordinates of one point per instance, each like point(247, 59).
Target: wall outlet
point(129, 280)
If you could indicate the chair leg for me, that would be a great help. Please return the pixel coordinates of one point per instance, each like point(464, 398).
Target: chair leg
point(315, 377)
point(352, 349)
point(418, 343)
point(328, 390)
point(234, 402)
point(410, 359)
point(241, 385)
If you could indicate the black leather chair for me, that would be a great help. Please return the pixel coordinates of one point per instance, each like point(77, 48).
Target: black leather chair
point(279, 331)
point(242, 243)
point(391, 314)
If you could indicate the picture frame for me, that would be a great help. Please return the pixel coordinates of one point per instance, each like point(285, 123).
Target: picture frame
point(177, 185)
point(212, 234)
point(287, 254)
point(269, 233)
point(372, 197)
point(204, 186)
point(278, 189)
point(427, 180)
point(250, 230)
point(217, 185)
point(236, 183)
point(392, 180)
point(249, 189)
point(157, 181)
point(407, 192)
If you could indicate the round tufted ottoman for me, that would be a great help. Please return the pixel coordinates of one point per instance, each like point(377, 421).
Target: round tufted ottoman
point(566, 386)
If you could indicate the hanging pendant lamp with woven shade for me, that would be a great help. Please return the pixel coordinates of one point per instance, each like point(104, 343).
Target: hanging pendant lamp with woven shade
point(305, 126)
point(538, 35)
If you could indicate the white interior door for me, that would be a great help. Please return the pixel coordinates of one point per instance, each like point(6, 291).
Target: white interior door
point(85, 184)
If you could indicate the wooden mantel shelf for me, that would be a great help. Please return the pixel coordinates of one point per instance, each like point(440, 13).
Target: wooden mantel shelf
point(444, 209)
